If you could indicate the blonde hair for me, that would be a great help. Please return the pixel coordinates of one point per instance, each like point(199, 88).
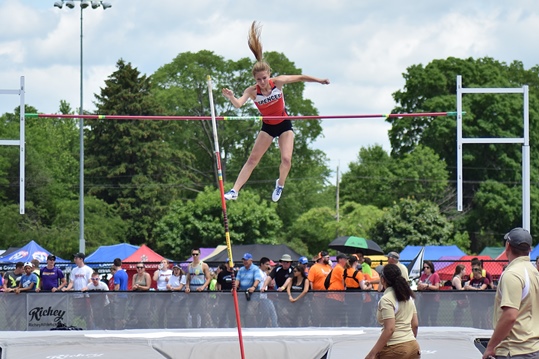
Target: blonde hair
point(256, 48)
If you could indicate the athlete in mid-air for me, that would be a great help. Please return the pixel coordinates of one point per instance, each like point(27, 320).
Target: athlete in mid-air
point(268, 97)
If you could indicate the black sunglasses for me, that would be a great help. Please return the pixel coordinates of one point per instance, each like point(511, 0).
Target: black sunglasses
point(140, 267)
point(195, 254)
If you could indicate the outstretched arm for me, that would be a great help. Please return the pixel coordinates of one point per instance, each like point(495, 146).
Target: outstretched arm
point(249, 92)
point(279, 81)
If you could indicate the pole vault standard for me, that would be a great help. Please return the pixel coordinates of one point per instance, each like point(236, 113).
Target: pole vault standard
point(225, 218)
point(241, 118)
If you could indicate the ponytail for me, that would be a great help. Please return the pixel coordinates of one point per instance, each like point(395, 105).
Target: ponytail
point(255, 45)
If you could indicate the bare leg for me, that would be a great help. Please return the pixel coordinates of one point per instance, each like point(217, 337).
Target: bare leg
point(262, 143)
point(286, 145)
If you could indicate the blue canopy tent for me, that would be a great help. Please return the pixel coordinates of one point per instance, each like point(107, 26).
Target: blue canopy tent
point(102, 258)
point(432, 253)
point(30, 251)
point(534, 253)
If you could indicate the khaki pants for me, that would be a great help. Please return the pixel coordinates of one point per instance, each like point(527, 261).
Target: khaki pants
point(407, 350)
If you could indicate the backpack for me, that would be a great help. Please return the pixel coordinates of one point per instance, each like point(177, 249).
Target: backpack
point(353, 275)
point(328, 280)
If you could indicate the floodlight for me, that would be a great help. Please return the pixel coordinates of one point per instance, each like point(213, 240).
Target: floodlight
point(69, 3)
point(95, 4)
point(106, 5)
point(84, 4)
point(59, 4)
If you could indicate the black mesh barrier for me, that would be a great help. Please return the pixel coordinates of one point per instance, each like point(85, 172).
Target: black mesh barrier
point(162, 310)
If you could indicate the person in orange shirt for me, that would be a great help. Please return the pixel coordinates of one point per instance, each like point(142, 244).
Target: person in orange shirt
point(317, 276)
point(336, 300)
point(374, 277)
point(319, 271)
point(354, 279)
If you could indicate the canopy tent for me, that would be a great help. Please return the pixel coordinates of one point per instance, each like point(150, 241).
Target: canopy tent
point(146, 255)
point(534, 253)
point(273, 252)
point(104, 256)
point(492, 252)
point(494, 268)
point(432, 253)
point(109, 253)
point(30, 251)
point(445, 261)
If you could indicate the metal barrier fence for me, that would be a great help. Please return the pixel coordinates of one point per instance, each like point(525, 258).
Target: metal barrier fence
point(164, 310)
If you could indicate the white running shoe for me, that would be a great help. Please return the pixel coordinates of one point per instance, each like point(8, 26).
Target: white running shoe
point(231, 195)
point(276, 195)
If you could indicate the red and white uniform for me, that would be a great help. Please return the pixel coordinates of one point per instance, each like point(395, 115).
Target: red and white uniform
point(271, 105)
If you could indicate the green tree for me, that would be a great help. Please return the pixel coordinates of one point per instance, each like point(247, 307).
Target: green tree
point(380, 180)
point(369, 180)
point(420, 174)
point(199, 223)
point(432, 88)
point(132, 164)
point(411, 222)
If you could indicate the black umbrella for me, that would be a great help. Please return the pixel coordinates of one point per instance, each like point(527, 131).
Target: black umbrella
point(351, 244)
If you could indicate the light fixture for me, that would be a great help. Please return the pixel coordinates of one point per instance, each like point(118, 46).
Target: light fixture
point(69, 3)
point(59, 4)
point(95, 4)
point(84, 4)
point(106, 5)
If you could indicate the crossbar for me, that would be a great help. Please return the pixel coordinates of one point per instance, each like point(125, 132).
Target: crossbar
point(236, 118)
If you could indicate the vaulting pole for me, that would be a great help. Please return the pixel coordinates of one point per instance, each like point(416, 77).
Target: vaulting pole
point(225, 218)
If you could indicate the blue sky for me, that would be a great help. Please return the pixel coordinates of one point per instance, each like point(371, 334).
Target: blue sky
point(362, 46)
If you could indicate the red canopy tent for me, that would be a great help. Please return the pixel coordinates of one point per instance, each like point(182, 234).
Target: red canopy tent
point(146, 255)
point(494, 268)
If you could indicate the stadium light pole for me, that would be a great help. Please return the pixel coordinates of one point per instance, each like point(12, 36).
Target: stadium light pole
point(83, 5)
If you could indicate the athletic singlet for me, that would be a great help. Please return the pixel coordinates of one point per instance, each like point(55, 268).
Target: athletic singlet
point(197, 275)
point(271, 105)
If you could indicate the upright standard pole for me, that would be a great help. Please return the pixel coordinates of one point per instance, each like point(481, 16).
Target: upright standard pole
point(225, 218)
point(82, 242)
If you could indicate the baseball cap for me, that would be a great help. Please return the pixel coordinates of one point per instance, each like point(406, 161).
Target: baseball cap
point(28, 264)
point(303, 260)
point(518, 237)
point(394, 255)
point(51, 257)
point(321, 255)
point(342, 256)
point(176, 266)
point(247, 256)
point(286, 258)
point(79, 255)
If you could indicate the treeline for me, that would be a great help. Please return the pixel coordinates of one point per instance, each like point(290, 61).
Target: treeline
point(155, 182)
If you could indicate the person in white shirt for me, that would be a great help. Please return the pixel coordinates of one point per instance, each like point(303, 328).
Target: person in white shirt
point(99, 301)
point(79, 279)
point(177, 280)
